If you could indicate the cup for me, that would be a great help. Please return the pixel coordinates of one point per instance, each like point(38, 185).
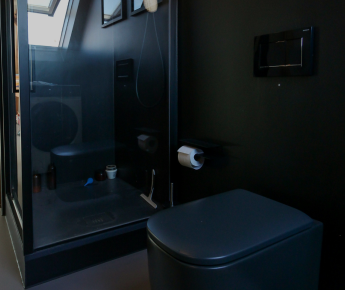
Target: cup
point(111, 173)
point(110, 167)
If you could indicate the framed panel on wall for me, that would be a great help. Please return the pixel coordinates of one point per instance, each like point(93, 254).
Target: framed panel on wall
point(113, 11)
point(137, 6)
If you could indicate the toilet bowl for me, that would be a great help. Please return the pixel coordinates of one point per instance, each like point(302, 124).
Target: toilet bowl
point(235, 240)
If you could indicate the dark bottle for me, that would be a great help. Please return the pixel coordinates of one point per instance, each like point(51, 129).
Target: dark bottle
point(36, 182)
point(100, 175)
point(51, 177)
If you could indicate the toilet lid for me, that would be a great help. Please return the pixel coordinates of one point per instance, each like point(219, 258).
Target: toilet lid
point(225, 227)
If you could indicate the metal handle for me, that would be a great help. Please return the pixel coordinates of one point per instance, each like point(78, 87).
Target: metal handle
point(171, 195)
point(148, 199)
point(152, 184)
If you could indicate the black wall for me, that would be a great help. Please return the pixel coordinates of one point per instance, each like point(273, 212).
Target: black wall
point(283, 137)
point(131, 117)
point(91, 56)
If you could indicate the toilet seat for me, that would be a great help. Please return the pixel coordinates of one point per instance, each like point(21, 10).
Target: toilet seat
point(225, 227)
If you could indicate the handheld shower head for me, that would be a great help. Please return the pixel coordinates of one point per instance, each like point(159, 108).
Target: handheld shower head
point(151, 5)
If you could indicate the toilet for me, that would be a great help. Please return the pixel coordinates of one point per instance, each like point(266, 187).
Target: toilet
point(235, 240)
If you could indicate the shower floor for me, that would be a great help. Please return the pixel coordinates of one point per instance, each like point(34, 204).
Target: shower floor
point(73, 210)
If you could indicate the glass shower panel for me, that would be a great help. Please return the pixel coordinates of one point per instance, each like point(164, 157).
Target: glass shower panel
point(99, 108)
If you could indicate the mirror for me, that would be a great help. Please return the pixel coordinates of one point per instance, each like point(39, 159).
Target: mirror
point(112, 11)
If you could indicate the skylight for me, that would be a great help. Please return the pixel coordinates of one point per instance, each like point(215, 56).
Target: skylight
point(43, 6)
point(44, 28)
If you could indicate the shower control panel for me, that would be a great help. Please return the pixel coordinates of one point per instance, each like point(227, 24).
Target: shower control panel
point(288, 53)
point(124, 70)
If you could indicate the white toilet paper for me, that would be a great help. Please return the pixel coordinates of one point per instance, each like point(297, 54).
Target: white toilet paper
point(148, 143)
point(186, 158)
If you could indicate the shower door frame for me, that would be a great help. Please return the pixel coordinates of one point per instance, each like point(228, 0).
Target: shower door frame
point(79, 253)
point(24, 90)
point(9, 165)
point(26, 121)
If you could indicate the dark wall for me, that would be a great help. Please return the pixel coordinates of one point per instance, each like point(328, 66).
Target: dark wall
point(88, 63)
point(142, 104)
point(111, 108)
point(283, 137)
point(91, 54)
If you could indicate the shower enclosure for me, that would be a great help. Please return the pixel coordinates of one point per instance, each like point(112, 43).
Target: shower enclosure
point(78, 96)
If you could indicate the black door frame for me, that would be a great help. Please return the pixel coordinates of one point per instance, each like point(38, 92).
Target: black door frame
point(5, 164)
point(24, 89)
point(7, 93)
point(3, 211)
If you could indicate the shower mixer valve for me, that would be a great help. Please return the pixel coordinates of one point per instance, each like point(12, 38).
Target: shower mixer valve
point(148, 198)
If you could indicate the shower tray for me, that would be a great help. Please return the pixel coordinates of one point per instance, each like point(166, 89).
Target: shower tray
point(73, 210)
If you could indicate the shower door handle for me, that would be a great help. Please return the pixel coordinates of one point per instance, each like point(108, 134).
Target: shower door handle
point(152, 184)
point(148, 199)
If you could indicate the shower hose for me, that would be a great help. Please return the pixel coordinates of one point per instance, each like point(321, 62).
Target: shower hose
point(141, 54)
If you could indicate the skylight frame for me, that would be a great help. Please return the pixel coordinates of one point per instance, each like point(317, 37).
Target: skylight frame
point(66, 22)
point(50, 10)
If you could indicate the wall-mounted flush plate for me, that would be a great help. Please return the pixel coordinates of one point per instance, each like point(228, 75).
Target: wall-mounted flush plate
point(124, 70)
point(288, 53)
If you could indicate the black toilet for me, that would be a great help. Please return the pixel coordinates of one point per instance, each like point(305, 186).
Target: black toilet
point(235, 240)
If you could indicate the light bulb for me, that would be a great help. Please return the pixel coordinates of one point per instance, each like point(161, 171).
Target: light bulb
point(151, 5)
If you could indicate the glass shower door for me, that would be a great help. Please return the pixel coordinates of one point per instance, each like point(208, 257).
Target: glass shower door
point(99, 109)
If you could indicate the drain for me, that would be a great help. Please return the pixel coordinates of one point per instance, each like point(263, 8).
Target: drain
point(97, 219)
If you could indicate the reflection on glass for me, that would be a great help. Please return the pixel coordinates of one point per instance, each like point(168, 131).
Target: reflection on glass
point(56, 120)
point(18, 143)
point(74, 114)
point(112, 9)
point(39, 3)
point(44, 29)
point(43, 6)
point(16, 48)
point(138, 4)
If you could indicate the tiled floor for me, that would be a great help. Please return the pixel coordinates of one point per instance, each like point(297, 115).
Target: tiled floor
point(127, 273)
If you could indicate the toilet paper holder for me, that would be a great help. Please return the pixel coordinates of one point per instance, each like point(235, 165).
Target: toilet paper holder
point(197, 157)
point(212, 152)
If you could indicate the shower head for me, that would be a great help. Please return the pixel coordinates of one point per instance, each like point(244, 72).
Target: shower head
point(151, 5)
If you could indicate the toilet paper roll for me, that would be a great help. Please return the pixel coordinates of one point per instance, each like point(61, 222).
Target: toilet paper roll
point(186, 158)
point(148, 143)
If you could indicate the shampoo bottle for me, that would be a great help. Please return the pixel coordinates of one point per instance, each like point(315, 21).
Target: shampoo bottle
point(36, 182)
point(51, 177)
